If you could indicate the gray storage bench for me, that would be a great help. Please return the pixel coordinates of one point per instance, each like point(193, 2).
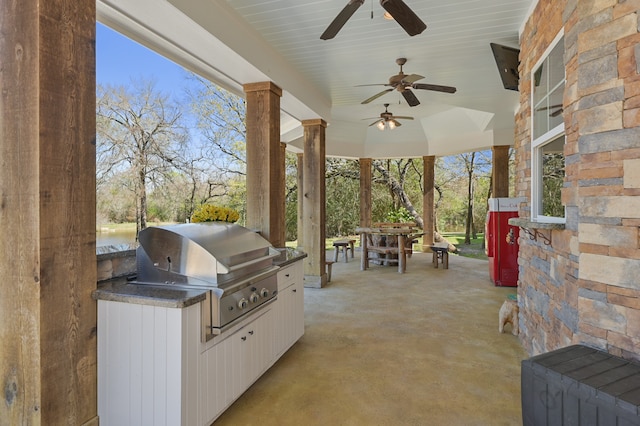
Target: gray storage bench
point(578, 385)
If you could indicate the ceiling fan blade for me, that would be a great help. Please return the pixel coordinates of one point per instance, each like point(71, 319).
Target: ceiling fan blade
point(400, 117)
point(376, 96)
point(434, 87)
point(404, 16)
point(410, 79)
point(396, 122)
point(342, 18)
point(549, 107)
point(410, 98)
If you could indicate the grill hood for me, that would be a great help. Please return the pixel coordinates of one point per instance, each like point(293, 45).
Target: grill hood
point(204, 254)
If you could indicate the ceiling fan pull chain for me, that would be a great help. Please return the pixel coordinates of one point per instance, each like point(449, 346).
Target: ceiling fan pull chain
point(371, 9)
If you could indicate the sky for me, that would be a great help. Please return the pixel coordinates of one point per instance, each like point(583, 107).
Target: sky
point(119, 59)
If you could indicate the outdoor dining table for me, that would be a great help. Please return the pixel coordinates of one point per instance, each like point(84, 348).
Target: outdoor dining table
point(400, 233)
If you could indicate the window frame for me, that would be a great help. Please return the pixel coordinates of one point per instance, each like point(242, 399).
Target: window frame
point(537, 144)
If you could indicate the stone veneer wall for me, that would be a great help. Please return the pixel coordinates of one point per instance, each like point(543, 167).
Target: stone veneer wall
point(115, 262)
point(585, 286)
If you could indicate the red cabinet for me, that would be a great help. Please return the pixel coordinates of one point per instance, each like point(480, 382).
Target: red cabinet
point(501, 241)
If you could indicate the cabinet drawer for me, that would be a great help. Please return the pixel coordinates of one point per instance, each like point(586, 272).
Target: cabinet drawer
point(289, 275)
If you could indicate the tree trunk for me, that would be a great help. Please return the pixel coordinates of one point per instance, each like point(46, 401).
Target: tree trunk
point(469, 226)
point(398, 190)
point(143, 200)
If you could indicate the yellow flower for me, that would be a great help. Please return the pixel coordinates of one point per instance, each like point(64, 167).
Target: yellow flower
point(211, 213)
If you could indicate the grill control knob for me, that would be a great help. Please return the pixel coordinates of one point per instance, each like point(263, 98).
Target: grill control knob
point(264, 292)
point(242, 303)
point(254, 297)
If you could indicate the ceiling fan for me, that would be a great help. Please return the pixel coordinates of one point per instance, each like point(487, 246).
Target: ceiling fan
point(387, 120)
point(403, 83)
point(398, 10)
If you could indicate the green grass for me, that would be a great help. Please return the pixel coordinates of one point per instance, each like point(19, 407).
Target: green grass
point(474, 250)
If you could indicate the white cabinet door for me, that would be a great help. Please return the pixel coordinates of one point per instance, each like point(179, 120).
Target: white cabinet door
point(289, 312)
point(297, 303)
point(252, 352)
point(216, 381)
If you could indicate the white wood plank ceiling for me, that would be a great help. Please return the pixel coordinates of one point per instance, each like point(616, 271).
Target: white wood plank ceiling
point(239, 41)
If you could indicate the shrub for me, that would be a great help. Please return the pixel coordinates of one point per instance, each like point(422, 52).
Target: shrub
point(211, 213)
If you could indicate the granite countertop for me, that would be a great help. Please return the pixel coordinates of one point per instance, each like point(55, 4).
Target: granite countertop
point(288, 255)
point(123, 290)
point(523, 222)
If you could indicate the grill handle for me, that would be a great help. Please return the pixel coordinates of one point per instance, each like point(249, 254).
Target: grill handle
point(245, 265)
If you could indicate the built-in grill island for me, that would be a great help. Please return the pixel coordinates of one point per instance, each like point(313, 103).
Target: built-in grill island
point(233, 263)
point(198, 315)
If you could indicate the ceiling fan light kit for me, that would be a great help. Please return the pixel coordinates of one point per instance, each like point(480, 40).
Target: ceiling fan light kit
point(387, 120)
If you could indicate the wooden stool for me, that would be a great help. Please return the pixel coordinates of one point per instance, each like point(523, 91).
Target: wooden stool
point(329, 264)
point(345, 246)
point(440, 254)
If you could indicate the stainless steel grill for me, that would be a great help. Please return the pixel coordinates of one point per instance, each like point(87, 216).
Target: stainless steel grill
point(233, 263)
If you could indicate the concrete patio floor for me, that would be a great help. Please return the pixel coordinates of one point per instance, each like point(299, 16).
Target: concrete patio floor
point(382, 348)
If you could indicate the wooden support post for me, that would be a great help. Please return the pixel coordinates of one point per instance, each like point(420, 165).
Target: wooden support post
point(365, 192)
point(313, 203)
point(300, 232)
point(48, 270)
point(265, 165)
point(427, 201)
point(500, 171)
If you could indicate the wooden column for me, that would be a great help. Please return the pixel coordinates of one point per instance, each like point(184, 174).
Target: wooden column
point(48, 368)
point(428, 215)
point(265, 167)
point(313, 202)
point(500, 171)
point(365, 192)
point(300, 164)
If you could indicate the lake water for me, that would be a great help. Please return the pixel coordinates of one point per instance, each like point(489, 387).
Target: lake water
point(115, 238)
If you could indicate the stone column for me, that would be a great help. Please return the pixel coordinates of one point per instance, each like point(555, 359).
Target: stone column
point(500, 171)
point(313, 202)
point(300, 164)
point(265, 167)
point(48, 212)
point(365, 192)
point(428, 215)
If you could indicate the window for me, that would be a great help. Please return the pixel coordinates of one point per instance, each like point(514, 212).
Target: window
point(547, 146)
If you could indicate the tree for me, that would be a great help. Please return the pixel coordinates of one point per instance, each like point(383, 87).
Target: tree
point(552, 183)
point(139, 134)
point(469, 162)
point(397, 184)
point(220, 121)
point(464, 178)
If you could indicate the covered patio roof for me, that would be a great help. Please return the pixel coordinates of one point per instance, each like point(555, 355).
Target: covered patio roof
point(235, 42)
